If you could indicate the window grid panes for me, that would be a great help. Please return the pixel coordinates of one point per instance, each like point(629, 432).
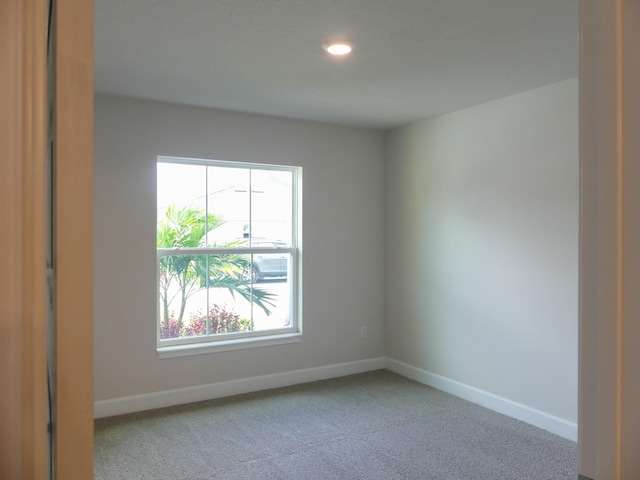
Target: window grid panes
point(227, 242)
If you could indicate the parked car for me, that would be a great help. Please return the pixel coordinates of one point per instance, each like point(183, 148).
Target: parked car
point(268, 264)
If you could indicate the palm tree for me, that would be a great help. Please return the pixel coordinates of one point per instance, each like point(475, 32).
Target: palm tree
point(188, 227)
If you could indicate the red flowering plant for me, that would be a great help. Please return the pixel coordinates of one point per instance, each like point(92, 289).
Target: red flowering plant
point(220, 320)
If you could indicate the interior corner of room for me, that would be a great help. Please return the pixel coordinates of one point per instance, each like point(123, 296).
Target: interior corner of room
point(483, 248)
point(474, 283)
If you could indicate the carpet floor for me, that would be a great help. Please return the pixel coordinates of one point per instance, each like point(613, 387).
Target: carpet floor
point(373, 426)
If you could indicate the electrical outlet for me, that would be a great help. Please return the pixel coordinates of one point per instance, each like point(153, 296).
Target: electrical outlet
point(363, 332)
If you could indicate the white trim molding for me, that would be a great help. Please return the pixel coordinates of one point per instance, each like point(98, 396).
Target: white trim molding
point(167, 398)
point(188, 349)
point(537, 418)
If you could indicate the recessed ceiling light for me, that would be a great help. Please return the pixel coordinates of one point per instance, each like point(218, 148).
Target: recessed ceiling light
point(337, 48)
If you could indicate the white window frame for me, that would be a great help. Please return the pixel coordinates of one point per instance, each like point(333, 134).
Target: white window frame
point(178, 347)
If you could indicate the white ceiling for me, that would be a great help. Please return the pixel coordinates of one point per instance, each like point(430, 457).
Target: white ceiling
point(412, 58)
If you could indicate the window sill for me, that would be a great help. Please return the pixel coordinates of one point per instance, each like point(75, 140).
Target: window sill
point(186, 350)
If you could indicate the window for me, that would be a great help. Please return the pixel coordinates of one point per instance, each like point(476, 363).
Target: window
point(228, 246)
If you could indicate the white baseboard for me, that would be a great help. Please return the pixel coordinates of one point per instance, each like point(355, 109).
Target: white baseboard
point(167, 398)
point(551, 423)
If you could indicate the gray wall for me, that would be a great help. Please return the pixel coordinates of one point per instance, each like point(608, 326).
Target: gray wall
point(473, 277)
point(342, 234)
point(482, 247)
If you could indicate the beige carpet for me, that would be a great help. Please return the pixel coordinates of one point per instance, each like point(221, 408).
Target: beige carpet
point(376, 425)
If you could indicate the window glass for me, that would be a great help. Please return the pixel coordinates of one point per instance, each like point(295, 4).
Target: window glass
point(227, 250)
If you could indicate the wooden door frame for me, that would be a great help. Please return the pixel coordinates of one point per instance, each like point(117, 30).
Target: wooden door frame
point(23, 409)
point(23, 214)
point(74, 238)
point(609, 339)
